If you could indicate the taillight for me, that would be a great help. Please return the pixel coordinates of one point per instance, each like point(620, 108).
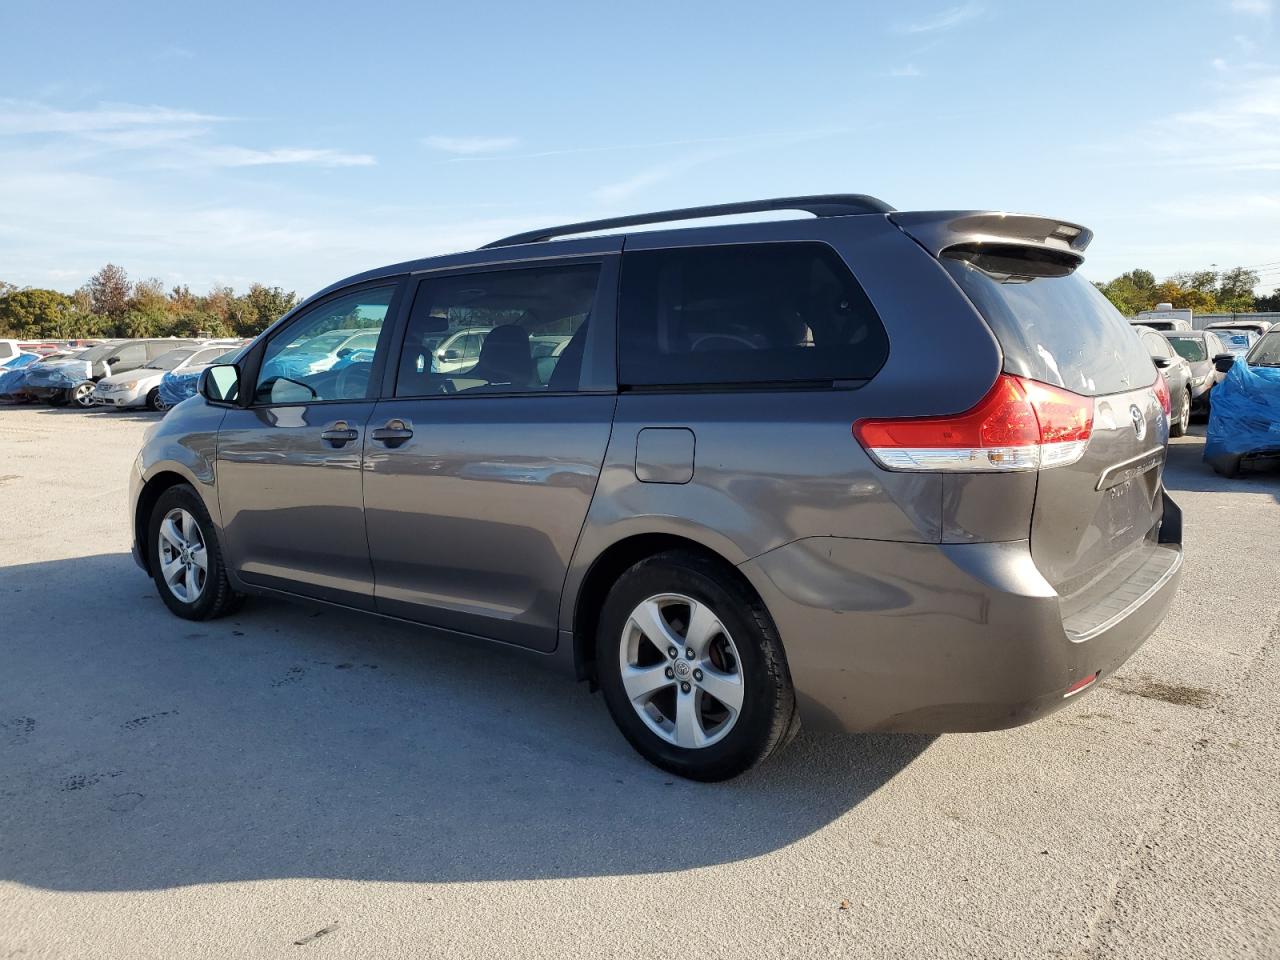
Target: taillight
point(1162, 394)
point(1019, 425)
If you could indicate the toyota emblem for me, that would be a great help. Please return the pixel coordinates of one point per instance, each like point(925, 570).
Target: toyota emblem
point(1139, 421)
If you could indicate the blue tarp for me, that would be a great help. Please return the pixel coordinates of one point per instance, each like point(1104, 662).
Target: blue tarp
point(1245, 415)
point(14, 375)
point(178, 386)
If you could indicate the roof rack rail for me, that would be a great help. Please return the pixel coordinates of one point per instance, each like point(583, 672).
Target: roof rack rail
point(820, 205)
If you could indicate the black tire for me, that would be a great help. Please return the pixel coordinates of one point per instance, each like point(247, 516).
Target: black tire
point(1227, 465)
point(1178, 424)
point(81, 396)
point(154, 402)
point(217, 598)
point(767, 719)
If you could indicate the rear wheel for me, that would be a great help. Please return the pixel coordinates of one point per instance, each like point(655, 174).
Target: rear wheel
point(692, 669)
point(186, 561)
point(1182, 419)
point(81, 395)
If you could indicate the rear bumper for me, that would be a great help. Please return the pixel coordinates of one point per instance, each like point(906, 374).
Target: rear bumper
point(934, 638)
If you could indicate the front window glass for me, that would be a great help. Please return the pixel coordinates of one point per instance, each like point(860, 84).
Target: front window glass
point(306, 362)
point(1191, 349)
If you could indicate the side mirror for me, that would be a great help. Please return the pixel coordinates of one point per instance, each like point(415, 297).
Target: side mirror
point(113, 359)
point(1162, 363)
point(1224, 362)
point(450, 355)
point(220, 384)
point(344, 353)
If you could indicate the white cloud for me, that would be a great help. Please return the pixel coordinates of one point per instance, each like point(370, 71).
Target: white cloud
point(910, 70)
point(230, 156)
point(944, 19)
point(18, 117)
point(469, 146)
point(1240, 131)
point(1255, 8)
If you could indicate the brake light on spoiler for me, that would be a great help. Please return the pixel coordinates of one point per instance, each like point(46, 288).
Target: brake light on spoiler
point(1020, 424)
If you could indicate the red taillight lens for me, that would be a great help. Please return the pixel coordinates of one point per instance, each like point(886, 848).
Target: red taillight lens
point(1162, 394)
point(1019, 425)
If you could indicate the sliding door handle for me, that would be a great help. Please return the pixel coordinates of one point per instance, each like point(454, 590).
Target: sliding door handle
point(395, 432)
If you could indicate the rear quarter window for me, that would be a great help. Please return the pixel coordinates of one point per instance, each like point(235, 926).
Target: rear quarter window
point(1057, 329)
point(745, 315)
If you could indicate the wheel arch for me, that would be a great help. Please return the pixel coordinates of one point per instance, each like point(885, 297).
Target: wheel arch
point(151, 491)
point(608, 566)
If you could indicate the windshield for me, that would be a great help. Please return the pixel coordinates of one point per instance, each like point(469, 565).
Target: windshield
point(1191, 349)
point(99, 352)
point(167, 361)
point(1266, 352)
point(325, 343)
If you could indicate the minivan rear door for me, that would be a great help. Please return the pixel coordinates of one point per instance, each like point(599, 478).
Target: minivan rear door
point(1096, 520)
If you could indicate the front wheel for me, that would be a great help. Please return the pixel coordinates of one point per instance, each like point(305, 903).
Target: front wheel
point(1178, 426)
point(186, 561)
point(692, 669)
point(155, 401)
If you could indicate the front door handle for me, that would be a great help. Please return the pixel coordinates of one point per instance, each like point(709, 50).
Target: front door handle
point(339, 434)
point(395, 432)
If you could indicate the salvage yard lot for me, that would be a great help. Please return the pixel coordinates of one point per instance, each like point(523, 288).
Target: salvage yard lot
point(285, 781)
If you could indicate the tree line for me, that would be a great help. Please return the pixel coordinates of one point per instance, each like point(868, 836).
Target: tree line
point(1204, 291)
point(111, 305)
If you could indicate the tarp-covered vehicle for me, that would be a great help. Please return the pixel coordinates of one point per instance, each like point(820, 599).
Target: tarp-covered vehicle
point(14, 375)
point(1244, 421)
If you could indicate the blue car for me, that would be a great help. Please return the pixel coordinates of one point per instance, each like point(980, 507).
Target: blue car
point(1244, 421)
point(14, 376)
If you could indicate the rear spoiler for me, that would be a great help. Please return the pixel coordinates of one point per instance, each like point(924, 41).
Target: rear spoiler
point(938, 231)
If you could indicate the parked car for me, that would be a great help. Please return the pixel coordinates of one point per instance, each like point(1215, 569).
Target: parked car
point(1244, 423)
point(458, 351)
point(1198, 348)
point(1176, 373)
point(1162, 323)
point(909, 480)
point(1256, 326)
point(14, 374)
point(180, 383)
point(141, 387)
point(13, 383)
point(1236, 340)
point(73, 381)
point(9, 351)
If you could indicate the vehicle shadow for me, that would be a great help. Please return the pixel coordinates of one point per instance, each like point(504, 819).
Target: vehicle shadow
point(1185, 469)
point(140, 751)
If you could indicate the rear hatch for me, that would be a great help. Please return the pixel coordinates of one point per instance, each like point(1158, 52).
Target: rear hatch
point(1095, 521)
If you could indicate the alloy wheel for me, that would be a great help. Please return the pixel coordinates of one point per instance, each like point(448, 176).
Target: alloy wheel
point(681, 670)
point(184, 561)
point(82, 396)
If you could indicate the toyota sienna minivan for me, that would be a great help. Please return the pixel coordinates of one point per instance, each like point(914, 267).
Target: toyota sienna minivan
point(865, 470)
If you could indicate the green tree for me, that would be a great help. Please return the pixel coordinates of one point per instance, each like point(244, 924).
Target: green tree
point(1234, 292)
point(34, 314)
point(1269, 303)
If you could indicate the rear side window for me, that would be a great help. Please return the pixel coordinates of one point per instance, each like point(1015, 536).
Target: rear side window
point(1053, 325)
point(745, 314)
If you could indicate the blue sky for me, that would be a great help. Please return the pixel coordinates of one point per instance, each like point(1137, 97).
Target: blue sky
point(296, 143)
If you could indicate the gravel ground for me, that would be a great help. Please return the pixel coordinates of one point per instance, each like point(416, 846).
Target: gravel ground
point(287, 782)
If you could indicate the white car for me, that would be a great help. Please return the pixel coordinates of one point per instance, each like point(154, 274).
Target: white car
point(141, 387)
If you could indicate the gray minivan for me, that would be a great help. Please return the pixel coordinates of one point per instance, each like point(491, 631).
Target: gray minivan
point(868, 470)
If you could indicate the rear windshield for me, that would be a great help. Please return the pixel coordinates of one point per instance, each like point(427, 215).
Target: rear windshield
point(1057, 329)
point(1189, 348)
